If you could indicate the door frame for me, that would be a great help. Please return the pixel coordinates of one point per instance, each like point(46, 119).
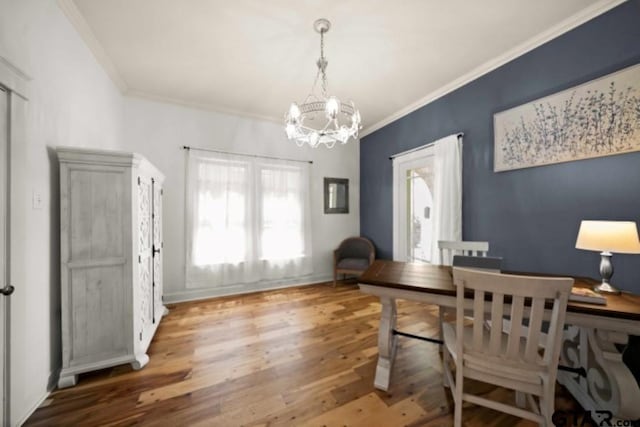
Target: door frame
point(17, 84)
point(4, 255)
point(401, 164)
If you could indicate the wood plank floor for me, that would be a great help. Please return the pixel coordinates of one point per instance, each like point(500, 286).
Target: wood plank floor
point(299, 356)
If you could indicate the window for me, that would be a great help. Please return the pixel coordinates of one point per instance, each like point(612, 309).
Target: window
point(247, 219)
point(220, 213)
point(282, 213)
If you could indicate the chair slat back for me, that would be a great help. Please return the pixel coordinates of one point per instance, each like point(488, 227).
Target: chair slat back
point(450, 248)
point(527, 296)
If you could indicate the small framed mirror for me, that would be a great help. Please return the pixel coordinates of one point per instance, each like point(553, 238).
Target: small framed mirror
point(336, 195)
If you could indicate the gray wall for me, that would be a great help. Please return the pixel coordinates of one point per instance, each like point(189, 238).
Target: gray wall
point(529, 216)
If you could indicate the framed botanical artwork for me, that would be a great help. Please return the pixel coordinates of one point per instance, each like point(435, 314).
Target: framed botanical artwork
point(598, 118)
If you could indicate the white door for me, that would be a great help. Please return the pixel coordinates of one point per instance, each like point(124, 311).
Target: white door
point(5, 288)
point(413, 205)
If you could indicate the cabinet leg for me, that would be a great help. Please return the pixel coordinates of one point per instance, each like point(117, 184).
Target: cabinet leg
point(67, 381)
point(140, 361)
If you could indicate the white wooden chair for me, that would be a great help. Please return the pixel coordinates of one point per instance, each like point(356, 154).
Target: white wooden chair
point(512, 360)
point(450, 248)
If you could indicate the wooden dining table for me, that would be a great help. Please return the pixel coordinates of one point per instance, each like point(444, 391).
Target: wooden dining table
point(594, 336)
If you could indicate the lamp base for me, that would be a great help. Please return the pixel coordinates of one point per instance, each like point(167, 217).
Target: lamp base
point(605, 288)
point(606, 271)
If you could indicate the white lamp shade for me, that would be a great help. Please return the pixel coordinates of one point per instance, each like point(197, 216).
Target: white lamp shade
point(609, 236)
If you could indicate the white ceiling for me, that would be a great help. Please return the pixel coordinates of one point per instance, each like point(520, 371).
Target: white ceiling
point(254, 57)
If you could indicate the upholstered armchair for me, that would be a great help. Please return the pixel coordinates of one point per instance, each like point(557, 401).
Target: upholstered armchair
point(353, 256)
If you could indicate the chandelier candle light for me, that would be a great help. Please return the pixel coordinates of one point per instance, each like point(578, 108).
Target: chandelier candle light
point(317, 120)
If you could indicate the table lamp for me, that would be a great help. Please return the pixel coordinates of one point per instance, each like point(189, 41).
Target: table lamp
point(608, 237)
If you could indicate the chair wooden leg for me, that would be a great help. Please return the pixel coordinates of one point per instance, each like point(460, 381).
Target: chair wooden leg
point(457, 398)
point(446, 366)
point(441, 313)
point(521, 399)
point(547, 403)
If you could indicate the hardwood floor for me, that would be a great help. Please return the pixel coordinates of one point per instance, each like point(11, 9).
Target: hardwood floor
point(299, 356)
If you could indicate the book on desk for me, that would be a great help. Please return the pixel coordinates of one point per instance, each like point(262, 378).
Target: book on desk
point(586, 295)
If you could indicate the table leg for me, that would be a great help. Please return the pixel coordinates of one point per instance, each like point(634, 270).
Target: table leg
point(609, 385)
point(386, 343)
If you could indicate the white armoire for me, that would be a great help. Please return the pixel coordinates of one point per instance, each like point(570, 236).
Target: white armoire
point(111, 259)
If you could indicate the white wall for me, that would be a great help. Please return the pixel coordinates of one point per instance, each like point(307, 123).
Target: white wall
point(71, 102)
point(158, 131)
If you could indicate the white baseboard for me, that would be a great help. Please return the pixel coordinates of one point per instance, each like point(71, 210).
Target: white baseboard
point(32, 409)
point(244, 288)
point(51, 385)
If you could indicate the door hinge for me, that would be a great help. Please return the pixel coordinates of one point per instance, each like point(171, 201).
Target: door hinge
point(139, 259)
point(140, 335)
point(138, 180)
point(161, 191)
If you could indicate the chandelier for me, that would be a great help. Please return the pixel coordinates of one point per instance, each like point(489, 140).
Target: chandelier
point(320, 118)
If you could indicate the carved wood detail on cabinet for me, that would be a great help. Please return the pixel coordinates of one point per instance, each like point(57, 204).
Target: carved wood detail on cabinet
point(111, 279)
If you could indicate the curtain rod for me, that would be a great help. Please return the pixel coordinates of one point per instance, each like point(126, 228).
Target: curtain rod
point(186, 147)
point(459, 135)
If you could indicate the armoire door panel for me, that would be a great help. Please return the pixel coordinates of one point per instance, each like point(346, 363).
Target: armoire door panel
point(98, 311)
point(145, 279)
point(158, 250)
point(96, 214)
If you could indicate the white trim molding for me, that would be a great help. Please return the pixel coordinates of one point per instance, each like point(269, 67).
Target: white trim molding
point(244, 288)
point(33, 409)
point(557, 30)
point(13, 78)
point(74, 16)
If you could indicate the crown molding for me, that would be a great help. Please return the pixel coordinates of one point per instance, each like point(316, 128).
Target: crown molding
point(133, 93)
point(557, 30)
point(74, 16)
point(72, 13)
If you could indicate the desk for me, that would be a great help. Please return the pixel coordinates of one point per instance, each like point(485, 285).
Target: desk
point(590, 339)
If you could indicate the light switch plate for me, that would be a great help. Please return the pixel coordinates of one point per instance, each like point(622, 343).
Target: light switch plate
point(36, 200)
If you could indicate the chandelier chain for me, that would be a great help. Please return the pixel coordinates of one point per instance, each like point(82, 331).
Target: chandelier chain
point(323, 64)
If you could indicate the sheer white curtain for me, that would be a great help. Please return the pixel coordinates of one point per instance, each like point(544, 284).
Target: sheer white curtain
point(247, 219)
point(447, 193)
point(284, 219)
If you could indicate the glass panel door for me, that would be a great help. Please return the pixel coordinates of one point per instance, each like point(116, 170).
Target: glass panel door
point(413, 205)
point(419, 208)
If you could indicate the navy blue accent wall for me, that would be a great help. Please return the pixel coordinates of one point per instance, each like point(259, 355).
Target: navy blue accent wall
point(529, 216)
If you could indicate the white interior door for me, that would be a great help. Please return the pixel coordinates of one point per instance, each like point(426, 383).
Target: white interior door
point(412, 205)
point(4, 278)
